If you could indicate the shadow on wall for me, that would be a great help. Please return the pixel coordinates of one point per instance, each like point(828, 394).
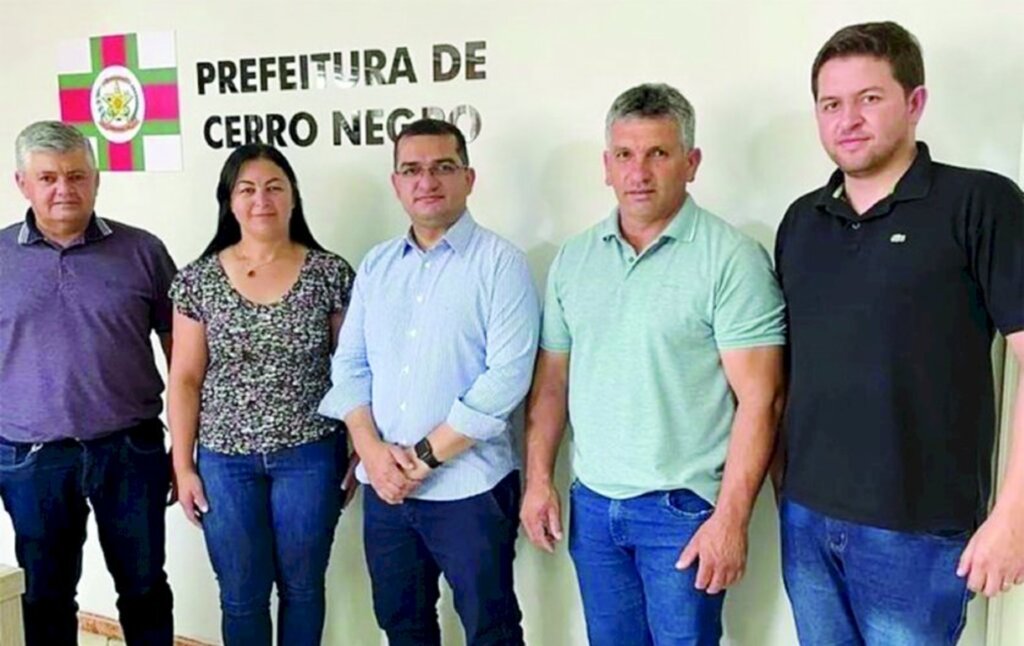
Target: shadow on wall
point(753, 608)
point(349, 230)
point(546, 583)
point(349, 605)
point(539, 257)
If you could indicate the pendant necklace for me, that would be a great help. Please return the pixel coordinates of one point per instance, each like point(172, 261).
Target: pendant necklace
point(251, 271)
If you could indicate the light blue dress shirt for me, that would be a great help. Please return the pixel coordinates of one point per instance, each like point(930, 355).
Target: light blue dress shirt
point(445, 335)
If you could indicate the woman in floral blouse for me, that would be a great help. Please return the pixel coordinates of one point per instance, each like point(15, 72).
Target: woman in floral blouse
point(256, 317)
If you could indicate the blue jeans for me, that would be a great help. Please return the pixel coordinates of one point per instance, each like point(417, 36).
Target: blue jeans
point(625, 553)
point(471, 541)
point(860, 585)
point(48, 489)
point(271, 520)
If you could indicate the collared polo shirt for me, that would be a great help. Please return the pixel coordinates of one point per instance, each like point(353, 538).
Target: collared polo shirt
point(890, 419)
point(447, 334)
point(76, 358)
point(649, 403)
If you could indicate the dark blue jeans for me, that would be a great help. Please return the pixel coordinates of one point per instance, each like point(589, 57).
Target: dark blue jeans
point(856, 585)
point(271, 520)
point(48, 489)
point(471, 541)
point(625, 552)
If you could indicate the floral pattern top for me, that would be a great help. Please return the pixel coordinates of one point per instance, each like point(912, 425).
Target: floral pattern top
point(268, 365)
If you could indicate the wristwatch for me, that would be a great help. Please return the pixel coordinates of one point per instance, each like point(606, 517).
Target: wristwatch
point(425, 452)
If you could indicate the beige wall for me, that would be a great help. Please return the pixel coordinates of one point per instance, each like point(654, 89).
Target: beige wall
point(552, 70)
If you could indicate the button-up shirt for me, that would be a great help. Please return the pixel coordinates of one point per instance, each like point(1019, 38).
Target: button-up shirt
point(443, 335)
point(76, 356)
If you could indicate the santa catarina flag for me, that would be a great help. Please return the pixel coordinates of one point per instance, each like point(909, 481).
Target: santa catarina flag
point(121, 91)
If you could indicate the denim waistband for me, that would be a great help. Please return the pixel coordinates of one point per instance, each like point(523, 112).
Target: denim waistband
point(112, 436)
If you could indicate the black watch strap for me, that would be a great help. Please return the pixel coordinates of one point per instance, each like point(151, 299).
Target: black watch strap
point(425, 452)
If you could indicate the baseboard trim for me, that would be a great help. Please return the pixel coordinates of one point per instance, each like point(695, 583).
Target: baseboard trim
point(109, 628)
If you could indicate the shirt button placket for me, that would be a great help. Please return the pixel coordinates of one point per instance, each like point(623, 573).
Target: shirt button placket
point(853, 236)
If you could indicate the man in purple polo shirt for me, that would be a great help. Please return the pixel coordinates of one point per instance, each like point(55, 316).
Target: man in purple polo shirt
point(80, 393)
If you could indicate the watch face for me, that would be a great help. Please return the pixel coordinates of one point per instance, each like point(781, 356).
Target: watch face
point(424, 450)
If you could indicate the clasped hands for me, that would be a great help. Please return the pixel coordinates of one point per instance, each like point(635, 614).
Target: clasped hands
point(394, 471)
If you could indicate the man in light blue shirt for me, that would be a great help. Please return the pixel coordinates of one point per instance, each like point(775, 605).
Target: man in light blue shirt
point(436, 351)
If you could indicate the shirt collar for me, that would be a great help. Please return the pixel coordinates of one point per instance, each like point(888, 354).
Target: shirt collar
point(913, 185)
point(457, 236)
point(682, 226)
point(30, 234)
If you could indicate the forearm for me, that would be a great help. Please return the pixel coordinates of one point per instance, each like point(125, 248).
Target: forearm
point(751, 448)
point(1011, 497)
point(166, 345)
point(777, 464)
point(447, 443)
point(363, 430)
point(546, 416)
point(183, 417)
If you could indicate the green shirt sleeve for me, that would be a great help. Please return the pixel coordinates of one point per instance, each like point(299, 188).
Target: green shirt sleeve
point(554, 334)
point(748, 307)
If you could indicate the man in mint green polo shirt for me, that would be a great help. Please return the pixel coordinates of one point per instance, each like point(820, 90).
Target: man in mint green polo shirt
point(662, 344)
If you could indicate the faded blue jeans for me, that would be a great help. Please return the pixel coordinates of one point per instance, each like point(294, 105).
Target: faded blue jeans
point(271, 521)
point(857, 585)
point(625, 553)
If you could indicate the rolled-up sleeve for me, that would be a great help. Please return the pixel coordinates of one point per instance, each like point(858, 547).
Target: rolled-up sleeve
point(351, 378)
point(513, 328)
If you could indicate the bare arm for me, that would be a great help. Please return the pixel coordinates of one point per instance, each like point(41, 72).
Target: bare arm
point(546, 415)
point(187, 373)
point(166, 343)
point(755, 376)
point(993, 560)
point(720, 545)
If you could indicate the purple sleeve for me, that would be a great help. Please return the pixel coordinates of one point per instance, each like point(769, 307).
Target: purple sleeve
point(163, 271)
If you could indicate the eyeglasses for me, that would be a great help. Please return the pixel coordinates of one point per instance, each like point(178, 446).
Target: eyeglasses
point(440, 169)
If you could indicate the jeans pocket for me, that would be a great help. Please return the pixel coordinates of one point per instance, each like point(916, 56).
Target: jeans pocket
point(146, 439)
point(686, 504)
point(14, 457)
point(505, 495)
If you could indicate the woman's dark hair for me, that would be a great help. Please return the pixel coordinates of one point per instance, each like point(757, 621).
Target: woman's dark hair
point(228, 231)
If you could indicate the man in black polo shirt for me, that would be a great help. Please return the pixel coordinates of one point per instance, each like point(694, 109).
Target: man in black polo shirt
point(897, 273)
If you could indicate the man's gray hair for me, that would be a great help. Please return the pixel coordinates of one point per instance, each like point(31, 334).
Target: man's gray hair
point(50, 136)
point(651, 101)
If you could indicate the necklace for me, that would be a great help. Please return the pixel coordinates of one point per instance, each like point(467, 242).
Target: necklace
point(250, 271)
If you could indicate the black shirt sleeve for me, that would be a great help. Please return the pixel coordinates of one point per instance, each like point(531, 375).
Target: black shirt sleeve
point(995, 248)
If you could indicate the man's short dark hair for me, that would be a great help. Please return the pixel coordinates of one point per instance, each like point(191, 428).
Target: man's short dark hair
point(437, 128)
point(887, 41)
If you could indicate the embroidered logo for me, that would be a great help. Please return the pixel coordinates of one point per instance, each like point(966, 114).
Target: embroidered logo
point(898, 238)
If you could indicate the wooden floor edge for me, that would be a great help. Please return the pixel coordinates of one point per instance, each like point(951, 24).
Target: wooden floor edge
point(109, 628)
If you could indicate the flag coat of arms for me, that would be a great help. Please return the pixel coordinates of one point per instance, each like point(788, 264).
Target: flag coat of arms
point(121, 92)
